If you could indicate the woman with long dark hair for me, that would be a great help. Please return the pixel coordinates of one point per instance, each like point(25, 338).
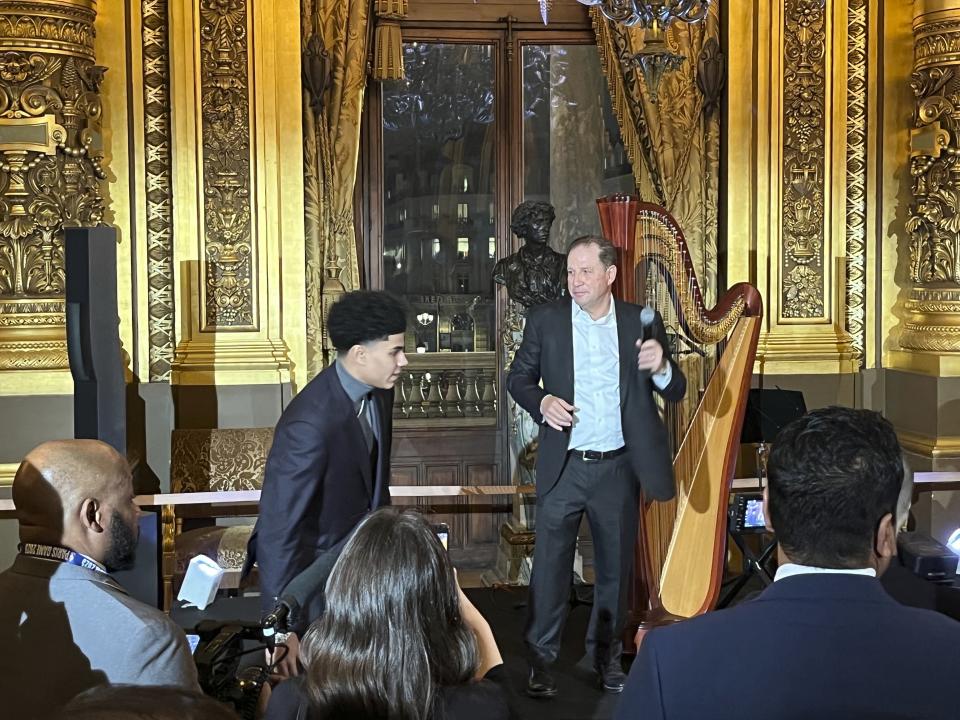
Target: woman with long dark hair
point(398, 639)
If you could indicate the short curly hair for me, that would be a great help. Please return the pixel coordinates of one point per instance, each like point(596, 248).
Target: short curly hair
point(364, 316)
point(529, 211)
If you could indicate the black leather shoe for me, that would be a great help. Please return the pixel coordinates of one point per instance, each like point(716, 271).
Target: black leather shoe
point(541, 684)
point(611, 677)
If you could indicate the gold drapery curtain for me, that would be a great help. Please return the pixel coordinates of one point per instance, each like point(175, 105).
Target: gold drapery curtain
point(674, 144)
point(331, 148)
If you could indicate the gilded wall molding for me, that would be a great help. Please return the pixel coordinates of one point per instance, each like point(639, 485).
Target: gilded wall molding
point(931, 322)
point(856, 200)
point(804, 101)
point(50, 168)
point(229, 292)
point(155, 39)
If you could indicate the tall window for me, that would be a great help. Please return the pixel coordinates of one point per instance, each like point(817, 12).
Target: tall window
point(440, 193)
point(572, 152)
point(472, 131)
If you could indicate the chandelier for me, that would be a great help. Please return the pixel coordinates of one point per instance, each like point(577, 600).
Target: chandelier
point(653, 17)
point(651, 14)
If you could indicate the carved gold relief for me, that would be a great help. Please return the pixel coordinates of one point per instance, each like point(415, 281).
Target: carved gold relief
point(50, 168)
point(155, 38)
point(856, 201)
point(803, 158)
point(225, 109)
point(932, 322)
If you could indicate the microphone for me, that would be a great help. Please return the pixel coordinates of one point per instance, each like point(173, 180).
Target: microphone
point(647, 316)
point(300, 590)
point(276, 620)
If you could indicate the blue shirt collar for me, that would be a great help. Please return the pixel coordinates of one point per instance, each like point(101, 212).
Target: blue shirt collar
point(355, 389)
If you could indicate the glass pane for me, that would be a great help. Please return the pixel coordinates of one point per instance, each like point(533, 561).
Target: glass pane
point(439, 207)
point(572, 150)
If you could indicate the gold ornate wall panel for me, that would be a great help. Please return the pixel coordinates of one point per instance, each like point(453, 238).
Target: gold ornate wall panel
point(158, 196)
point(932, 322)
point(796, 139)
point(803, 290)
point(856, 199)
point(229, 260)
point(235, 96)
point(50, 168)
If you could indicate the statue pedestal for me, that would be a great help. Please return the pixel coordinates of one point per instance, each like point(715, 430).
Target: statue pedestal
point(515, 549)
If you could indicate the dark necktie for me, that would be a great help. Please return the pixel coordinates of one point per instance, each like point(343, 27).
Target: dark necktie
point(364, 415)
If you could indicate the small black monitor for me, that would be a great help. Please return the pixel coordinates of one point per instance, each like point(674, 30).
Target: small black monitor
point(768, 412)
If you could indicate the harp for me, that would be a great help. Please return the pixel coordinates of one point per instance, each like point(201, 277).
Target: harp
point(681, 543)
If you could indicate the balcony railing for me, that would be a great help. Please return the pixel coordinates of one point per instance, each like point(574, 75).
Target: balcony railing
point(444, 389)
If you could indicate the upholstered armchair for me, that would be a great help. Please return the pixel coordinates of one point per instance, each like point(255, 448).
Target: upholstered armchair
point(211, 460)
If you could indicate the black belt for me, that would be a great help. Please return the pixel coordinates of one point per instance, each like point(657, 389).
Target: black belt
point(598, 454)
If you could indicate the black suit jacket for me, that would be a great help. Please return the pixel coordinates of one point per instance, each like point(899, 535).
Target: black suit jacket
point(318, 483)
point(809, 646)
point(546, 354)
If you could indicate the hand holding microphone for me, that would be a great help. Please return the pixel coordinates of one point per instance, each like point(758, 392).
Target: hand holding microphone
point(650, 354)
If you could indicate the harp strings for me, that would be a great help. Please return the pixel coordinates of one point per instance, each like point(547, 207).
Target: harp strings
point(656, 244)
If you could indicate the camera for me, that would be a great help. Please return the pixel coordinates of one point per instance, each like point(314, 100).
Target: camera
point(218, 647)
point(746, 513)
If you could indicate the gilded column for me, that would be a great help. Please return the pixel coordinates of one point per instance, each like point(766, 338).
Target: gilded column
point(932, 310)
point(50, 169)
point(235, 92)
point(795, 203)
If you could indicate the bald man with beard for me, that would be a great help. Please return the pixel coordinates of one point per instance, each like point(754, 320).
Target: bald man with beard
point(65, 624)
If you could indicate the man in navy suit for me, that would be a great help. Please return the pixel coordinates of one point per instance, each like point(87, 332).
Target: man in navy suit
point(587, 371)
point(825, 640)
point(329, 465)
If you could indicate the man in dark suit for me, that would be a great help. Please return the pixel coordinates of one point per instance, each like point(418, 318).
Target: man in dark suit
point(329, 465)
point(824, 640)
point(601, 444)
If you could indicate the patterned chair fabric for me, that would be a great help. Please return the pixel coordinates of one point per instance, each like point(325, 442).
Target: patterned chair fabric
point(216, 460)
point(219, 460)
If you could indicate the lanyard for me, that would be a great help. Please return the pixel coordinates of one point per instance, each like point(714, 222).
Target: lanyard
point(60, 554)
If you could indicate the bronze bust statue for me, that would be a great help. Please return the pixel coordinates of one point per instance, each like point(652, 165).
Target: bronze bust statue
point(536, 273)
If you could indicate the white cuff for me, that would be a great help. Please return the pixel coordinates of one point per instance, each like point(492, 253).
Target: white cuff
point(662, 379)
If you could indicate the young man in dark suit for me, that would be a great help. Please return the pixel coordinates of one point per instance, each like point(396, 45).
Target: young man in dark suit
point(601, 443)
point(329, 465)
point(825, 640)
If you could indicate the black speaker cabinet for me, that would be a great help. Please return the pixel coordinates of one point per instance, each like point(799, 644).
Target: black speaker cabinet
point(93, 337)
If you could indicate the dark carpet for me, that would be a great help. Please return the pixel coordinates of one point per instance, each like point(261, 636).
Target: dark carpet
point(579, 697)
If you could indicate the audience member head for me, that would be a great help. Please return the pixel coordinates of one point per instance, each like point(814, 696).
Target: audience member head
point(392, 633)
point(78, 494)
point(531, 220)
point(367, 327)
point(591, 270)
point(130, 702)
point(835, 477)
